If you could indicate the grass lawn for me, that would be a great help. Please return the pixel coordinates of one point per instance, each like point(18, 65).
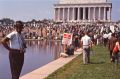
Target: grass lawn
point(100, 67)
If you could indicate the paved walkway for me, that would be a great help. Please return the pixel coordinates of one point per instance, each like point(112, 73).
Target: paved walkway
point(48, 69)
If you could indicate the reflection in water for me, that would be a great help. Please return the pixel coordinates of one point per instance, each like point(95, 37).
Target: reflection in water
point(38, 53)
point(53, 47)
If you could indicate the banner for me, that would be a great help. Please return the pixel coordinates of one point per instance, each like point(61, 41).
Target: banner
point(67, 38)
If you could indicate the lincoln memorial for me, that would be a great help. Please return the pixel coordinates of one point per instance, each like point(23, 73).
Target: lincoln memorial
point(82, 11)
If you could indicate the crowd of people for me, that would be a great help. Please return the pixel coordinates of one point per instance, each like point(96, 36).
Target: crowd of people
point(55, 31)
point(83, 35)
point(50, 30)
point(98, 32)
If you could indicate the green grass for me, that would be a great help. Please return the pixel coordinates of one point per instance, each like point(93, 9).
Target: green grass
point(100, 68)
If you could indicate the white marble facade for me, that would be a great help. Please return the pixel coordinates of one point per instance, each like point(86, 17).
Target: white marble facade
point(82, 11)
point(81, 1)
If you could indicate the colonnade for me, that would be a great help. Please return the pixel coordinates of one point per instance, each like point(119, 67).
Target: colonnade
point(82, 14)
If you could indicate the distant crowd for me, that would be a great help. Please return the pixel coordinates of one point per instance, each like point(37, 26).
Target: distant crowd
point(97, 32)
point(77, 35)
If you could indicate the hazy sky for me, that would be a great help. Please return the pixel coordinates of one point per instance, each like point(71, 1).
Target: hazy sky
point(38, 9)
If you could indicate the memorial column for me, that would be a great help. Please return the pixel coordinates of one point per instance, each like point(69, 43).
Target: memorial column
point(55, 14)
point(63, 14)
point(78, 18)
point(89, 14)
point(58, 14)
point(104, 13)
point(83, 13)
point(99, 16)
point(73, 14)
point(68, 14)
point(109, 14)
point(94, 13)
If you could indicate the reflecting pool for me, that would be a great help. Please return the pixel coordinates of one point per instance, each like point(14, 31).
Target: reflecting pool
point(38, 53)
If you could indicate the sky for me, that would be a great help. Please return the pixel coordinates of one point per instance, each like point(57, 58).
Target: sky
point(27, 10)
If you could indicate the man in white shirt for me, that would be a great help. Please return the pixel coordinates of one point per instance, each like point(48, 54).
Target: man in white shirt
point(105, 39)
point(109, 34)
point(86, 44)
point(16, 49)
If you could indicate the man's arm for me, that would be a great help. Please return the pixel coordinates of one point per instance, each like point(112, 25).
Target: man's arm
point(81, 43)
point(4, 42)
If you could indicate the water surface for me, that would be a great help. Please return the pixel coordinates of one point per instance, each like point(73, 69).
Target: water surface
point(38, 53)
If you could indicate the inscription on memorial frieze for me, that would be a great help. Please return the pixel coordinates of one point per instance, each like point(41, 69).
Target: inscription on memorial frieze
point(81, 1)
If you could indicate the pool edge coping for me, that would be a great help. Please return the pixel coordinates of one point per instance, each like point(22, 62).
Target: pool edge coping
point(49, 68)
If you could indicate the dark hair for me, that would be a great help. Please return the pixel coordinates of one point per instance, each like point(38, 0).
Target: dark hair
point(113, 34)
point(18, 24)
point(86, 32)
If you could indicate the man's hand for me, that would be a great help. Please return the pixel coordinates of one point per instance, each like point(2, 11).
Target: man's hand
point(5, 43)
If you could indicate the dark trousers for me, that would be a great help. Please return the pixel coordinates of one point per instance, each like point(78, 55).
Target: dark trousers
point(16, 62)
point(105, 41)
point(111, 51)
point(116, 56)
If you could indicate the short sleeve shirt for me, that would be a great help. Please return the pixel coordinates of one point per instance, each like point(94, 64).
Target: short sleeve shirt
point(86, 41)
point(15, 40)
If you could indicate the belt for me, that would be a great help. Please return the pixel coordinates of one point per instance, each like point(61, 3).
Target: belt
point(16, 50)
point(85, 45)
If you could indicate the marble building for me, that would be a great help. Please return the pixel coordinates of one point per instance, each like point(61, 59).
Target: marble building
point(82, 11)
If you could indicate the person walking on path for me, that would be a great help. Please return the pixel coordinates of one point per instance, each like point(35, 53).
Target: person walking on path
point(86, 45)
point(16, 48)
point(111, 44)
point(115, 53)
